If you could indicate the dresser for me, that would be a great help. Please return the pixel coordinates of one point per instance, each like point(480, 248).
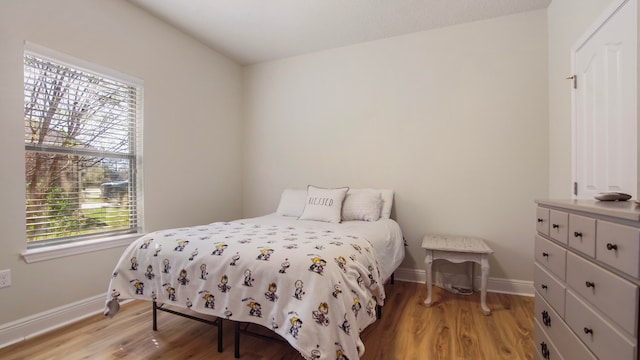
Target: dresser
point(586, 276)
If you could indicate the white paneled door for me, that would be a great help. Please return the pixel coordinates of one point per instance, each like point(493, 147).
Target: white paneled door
point(605, 100)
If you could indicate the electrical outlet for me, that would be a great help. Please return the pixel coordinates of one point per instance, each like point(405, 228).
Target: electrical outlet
point(5, 278)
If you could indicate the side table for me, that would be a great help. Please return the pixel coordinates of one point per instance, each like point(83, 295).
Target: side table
point(457, 249)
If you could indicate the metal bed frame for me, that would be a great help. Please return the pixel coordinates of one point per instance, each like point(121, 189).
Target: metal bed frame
point(217, 322)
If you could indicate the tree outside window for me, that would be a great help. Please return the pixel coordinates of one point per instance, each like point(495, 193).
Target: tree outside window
point(81, 153)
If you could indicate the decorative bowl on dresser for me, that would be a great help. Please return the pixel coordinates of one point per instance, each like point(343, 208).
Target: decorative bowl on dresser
point(586, 275)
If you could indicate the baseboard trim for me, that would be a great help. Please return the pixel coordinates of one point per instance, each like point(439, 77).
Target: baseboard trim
point(498, 285)
point(31, 326)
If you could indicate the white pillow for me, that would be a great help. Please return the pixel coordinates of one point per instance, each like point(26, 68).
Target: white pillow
point(292, 202)
point(324, 204)
point(362, 205)
point(387, 203)
point(387, 200)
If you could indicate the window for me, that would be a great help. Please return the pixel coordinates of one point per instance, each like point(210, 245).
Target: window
point(82, 151)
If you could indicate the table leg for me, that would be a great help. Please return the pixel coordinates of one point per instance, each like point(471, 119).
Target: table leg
point(473, 276)
point(428, 261)
point(484, 265)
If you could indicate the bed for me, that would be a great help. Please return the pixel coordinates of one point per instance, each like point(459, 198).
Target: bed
point(311, 277)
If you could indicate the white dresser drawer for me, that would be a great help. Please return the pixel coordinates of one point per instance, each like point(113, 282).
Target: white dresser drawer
point(619, 246)
point(545, 349)
point(602, 338)
point(551, 256)
point(550, 288)
point(594, 283)
point(611, 294)
point(582, 234)
point(542, 220)
point(568, 344)
point(559, 225)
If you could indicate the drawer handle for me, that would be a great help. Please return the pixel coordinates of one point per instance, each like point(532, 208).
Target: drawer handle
point(611, 246)
point(588, 331)
point(555, 226)
point(540, 220)
point(590, 284)
point(546, 319)
point(545, 254)
point(544, 287)
point(577, 234)
point(544, 349)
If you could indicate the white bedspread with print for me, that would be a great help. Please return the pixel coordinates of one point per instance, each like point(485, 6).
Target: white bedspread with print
point(317, 288)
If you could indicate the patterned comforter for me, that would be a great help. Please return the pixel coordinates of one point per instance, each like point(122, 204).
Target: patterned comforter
point(316, 288)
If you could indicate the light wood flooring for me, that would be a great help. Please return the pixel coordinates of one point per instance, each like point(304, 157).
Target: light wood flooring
point(453, 328)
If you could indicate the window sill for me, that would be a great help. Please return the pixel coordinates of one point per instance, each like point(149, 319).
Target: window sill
point(81, 247)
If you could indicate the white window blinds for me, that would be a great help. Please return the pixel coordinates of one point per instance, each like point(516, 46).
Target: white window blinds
point(81, 133)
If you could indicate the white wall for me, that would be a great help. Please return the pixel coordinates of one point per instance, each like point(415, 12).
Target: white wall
point(192, 129)
point(567, 21)
point(454, 120)
point(468, 124)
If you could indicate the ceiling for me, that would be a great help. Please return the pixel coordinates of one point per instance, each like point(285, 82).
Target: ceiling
point(254, 31)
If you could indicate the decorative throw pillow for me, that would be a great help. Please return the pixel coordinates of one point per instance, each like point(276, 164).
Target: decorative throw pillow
point(292, 202)
point(362, 205)
point(324, 204)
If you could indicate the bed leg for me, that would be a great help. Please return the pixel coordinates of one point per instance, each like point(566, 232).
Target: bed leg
point(392, 280)
point(236, 340)
point(155, 316)
point(219, 324)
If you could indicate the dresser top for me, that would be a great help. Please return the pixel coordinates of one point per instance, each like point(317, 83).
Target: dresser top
point(627, 210)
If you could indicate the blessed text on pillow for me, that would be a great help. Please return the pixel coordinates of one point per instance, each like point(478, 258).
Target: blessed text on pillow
point(324, 204)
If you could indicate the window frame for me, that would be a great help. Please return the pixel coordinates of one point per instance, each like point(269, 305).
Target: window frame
point(93, 242)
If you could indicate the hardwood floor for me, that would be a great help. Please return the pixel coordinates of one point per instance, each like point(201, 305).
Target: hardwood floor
point(453, 328)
